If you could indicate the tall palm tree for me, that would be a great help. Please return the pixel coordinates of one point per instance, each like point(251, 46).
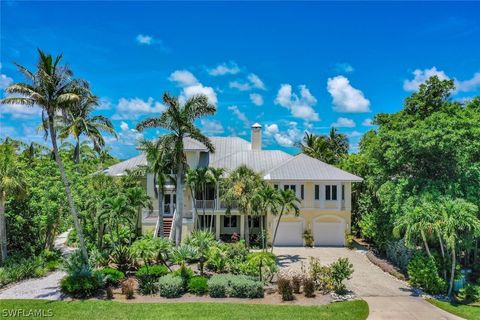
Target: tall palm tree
point(179, 120)
point(215, 178)
point(288, 203)
point(202, 241)
point(329, 148)
point(159, 161)
point(114, 212)
point(78, 120)
point(239, 189)
point(11, 184)
point(52, 88)
point(193, 183)
point(266, 201)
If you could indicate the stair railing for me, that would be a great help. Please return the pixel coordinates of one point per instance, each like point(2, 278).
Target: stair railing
point(170, 236)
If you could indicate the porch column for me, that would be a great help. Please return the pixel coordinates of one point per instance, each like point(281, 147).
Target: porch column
point(242, 226)
point(217, 226)
point(339, 196)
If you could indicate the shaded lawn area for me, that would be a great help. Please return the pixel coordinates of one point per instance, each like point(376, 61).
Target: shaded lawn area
point(94, 309)
point(461, 310)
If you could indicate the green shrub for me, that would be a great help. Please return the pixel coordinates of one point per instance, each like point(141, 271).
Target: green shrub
point(309, 287)
point(216, 259)
point(185, 274)
point(122, 258)
point(308, 238)
point(111, 276)
point(238, 286)
point(148, 277)
point(82, 283)
point(423, 273)
point(296, 283)
point(398, 254)
point(198, 285)
point(342, 270)
point(469, 294)
point(17, 268)
point(236, 250)
point(321, 275)
point(170, 286)
point(285, 289)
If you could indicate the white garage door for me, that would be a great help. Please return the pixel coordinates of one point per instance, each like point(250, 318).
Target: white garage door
point(289, 234)
point(329, 233)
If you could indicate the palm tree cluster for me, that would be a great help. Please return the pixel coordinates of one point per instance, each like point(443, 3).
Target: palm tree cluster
point(331, 148)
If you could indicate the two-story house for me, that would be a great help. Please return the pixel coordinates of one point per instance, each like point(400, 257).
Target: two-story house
point(324, 191)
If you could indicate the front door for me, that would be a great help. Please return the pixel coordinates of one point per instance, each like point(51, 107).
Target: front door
point(169, 203)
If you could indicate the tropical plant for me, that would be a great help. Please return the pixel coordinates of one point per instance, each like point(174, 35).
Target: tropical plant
point(145, 249)
point(78, 120)
point(288, 203)
point(266, 200)
point(11, 184)
point(52, 88)
point(170, 286)
point(202, 241)
point(215, 178)
point(179, 120)
point(331, 148)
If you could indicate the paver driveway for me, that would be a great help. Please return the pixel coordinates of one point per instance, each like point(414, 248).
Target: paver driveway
point(387, 297)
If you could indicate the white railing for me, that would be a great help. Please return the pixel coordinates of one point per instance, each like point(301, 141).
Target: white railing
point(207, 204)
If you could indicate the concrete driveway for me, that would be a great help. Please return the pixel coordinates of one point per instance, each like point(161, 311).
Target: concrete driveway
point(387, 297)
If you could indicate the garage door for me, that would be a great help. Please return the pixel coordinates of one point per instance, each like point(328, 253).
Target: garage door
point(329, 233)
point(289, 234)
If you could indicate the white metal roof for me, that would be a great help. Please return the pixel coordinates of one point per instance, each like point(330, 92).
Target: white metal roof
point(120, 168)
point(260, 161)
point(305, 168)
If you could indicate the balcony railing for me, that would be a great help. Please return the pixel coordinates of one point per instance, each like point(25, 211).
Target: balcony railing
point(207, 204)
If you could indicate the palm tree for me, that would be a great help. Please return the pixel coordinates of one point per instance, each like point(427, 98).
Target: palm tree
point(179, 120)
point(159, 161)
point(78, 120)
point(460, 218)
point(114, 212)
point(192, 181)
point(288, 203)
point(266, 201)
point(239, 190)
point(202, 180)
point(11, 184)
point(329, 148)
point(138, 199)
point(53, 89)
point(202, 241)
point(215, 178)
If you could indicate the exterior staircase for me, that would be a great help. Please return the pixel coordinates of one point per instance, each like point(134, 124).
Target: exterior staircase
point(167, 226)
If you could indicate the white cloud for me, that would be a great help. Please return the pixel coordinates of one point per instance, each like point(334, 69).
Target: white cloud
point(344, 122)
point(344, 67)
point(123, 126)
point(5, 81)
point(224, 68)
point(345, 97)
point(7, 131)
point(253, 82)
point(134, 108)
point(240, 115)
point(19, 111)
point(420, 76)
point(256, 99)
point(191, 86)
point(212, 127)
point(144, 39)
point(468, 85)
point(286, 138)
point(354, 134)
point(299, 106)
point(367, 122)
point(104, 104)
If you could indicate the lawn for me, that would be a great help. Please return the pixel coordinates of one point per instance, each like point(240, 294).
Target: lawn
point(93, 309)
point(461, 310)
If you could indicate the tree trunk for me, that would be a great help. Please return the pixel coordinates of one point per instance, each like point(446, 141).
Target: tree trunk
point(213, 210)
point(247, 231)
point(452, 275)
point(276, 229)
point(262, 231)
point(159, 229)
point(3, 229)
point(73, 209)
point(442, 250)
point(196, 220)
point(425, 243)
point(205, 222)
point(76, 152)
point(101, 232)
point(179, 206)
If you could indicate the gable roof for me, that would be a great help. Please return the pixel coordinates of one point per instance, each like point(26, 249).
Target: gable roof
point(190, 144)
point(303, 167)
point(120, 168)
point(260, 161)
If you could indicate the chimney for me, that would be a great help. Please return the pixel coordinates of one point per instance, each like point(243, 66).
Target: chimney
point(256, 137)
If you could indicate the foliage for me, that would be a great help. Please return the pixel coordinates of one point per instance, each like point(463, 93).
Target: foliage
point(148, 276)
point(82, 283)
point(259, 264)
point(198, 285)
point(201, 241)
point(217, 259)
point(285, 289)
point(128, 287)
point(17, 268)
point(144, 249)
point(170, 286)
point(239, 286)
point(218, 286)
point(399, 254)
point(469, 294)
point(309, 287)
point(122, 258)
point(185, 273)
point(331, 148)
point(423, 273)
point(308, 238)
point(112, 277)
point(342, 270)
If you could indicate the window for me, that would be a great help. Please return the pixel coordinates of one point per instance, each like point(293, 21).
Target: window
point(230, 221)
point(291, 187)
point(317, 192)
point(275, 186)
point(254, 222)
point(302, 191)
point(343, 192)
point(330, 192)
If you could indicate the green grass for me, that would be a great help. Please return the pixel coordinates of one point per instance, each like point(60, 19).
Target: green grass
point(92, 309)
point(461, 310)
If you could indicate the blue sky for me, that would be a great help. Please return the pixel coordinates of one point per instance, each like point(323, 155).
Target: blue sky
point(289, 66)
